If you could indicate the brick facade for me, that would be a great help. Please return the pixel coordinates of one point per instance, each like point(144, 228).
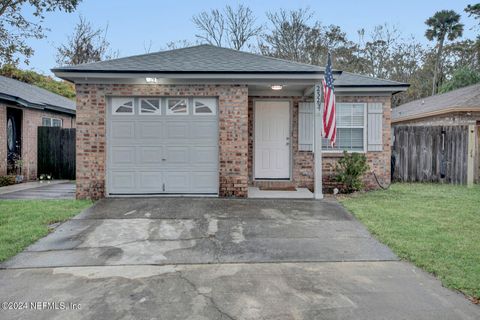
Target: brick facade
point(235, 137)
point(31, 119)
point(91, 132)
point(303, 161)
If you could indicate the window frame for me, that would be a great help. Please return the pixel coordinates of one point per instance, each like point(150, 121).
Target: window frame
point(364, 127)
point(168, 112)
point(157, 113)
point(215, 107)
point(61, 122)
point(49, 119)
point(114, 112)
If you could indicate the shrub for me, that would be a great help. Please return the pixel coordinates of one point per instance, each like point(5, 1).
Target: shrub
point(350, 170)
point(7, 180)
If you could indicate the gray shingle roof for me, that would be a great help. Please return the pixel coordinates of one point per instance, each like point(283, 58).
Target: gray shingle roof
point(348, 79)
point(202, 58)
point(213, 59)
point(32, 96)
point(463, 99)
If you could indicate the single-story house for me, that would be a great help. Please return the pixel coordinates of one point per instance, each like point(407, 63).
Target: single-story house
point(23, 108)
point(214, 121)
point(451, 120)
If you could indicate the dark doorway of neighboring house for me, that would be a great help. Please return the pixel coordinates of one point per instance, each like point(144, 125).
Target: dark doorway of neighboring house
point(14, 140)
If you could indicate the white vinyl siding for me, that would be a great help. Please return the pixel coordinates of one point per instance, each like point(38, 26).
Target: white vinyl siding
point(375, 127)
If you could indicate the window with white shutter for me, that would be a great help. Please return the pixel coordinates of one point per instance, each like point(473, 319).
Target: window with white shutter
point(359, 127)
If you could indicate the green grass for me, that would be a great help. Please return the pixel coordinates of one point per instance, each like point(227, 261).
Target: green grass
point(23, 222)
point(437, 227)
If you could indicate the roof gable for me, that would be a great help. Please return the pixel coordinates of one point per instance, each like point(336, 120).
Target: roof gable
point(32, 96)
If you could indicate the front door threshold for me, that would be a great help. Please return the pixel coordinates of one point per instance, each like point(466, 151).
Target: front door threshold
point(300, 193)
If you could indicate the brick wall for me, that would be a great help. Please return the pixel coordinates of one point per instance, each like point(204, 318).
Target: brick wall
point(31, 119)
point(91, 132)
point(303, 162)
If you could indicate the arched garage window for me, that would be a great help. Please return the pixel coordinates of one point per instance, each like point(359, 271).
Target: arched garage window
point(122, 105)
point(206, 106)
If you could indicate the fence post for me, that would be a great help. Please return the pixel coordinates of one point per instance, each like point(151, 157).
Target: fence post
point(471, 155)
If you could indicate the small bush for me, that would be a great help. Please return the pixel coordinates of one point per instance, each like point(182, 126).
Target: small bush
point(350, 170)
point(7, 180)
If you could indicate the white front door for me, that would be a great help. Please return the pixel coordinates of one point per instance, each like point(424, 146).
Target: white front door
point(272, 139)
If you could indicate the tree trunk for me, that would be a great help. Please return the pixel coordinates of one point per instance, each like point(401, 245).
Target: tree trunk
point(437, 65)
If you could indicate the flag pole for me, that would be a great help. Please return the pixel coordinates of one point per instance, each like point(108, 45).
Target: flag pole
point(317, 138)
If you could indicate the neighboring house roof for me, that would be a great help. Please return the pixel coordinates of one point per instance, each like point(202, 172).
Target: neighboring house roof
point(32, 96)
point(465, 99)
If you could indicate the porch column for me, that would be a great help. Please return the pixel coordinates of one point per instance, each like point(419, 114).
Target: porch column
point(317, 141)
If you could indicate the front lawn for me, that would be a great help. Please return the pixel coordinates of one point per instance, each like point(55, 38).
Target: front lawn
point(437, 227)
point(22, 222)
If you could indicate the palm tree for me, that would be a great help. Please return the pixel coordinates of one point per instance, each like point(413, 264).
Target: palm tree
point(443, 24)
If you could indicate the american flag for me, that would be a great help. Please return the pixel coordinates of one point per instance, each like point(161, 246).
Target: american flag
point(329, 123)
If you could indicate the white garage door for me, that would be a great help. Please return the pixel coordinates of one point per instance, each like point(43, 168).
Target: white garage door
point(162, 146)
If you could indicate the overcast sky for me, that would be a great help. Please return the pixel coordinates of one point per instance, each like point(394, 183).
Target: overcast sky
point(132, 25)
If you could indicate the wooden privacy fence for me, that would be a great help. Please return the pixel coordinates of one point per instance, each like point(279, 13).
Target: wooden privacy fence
point(56, 152)
point(430, 154)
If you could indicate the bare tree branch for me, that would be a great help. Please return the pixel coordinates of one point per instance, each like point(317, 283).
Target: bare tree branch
point(211, 26)
point(240, 26)
point(85, 45)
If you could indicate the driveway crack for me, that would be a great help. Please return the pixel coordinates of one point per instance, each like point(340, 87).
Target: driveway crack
point(209, 298)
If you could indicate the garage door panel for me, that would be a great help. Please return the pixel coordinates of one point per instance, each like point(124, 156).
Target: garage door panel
point(203, 130)
point(123, 156)
point(177, 130)
point(204, 156)
point(123, 130)
point(176, 156)
point(149, 155)
point(150, 182)
point(122, 181)
point(177, 182)
point(204, 182)
point(150, 129)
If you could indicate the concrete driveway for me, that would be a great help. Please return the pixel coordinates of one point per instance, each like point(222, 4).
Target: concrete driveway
point(186, 258)
point(62, 189)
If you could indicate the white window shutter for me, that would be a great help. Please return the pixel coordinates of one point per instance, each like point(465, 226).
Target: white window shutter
point(375, 127)
point(305, 126)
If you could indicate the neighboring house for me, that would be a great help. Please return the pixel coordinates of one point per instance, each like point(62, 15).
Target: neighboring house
point(214, 121)
point(447, 127)
point(23, 108)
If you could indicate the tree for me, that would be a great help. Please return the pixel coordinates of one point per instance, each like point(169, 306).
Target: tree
point(15, 28)
point(288, 36)
point(211, 26)
point(461, 78)
point(85, 45)
point(473, 10)
point(442, 25)
point(232, 27)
